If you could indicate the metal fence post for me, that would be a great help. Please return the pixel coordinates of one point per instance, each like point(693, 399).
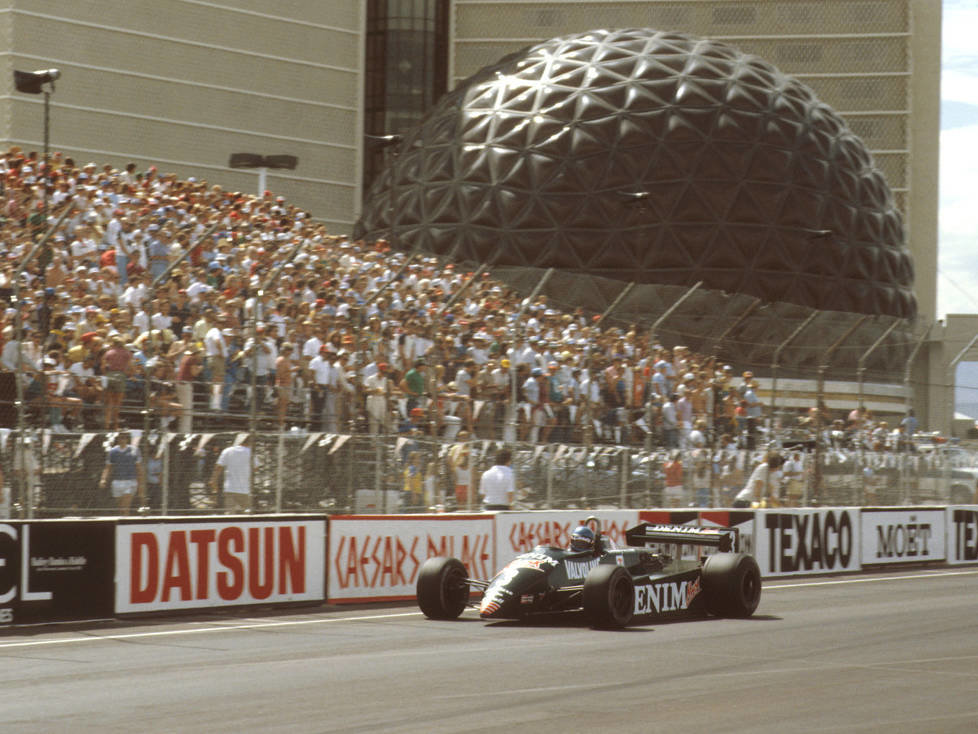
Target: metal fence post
point(165, 475)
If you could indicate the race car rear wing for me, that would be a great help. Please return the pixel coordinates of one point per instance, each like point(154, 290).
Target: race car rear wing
point(720, 538)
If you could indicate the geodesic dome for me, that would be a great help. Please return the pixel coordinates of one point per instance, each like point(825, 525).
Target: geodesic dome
point(650, 157)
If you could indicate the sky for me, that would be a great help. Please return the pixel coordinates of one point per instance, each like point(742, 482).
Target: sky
point(957, 281)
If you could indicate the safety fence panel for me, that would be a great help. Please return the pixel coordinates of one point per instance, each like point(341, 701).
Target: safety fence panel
point(54, 475)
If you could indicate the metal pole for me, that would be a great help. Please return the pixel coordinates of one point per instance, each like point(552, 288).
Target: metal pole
point(861, 364)
point(162, 277)
point(165, 475)
point(262, 181)
point(19, 336)
point(907, 368)
point(588, 417)
point(740, 319)
point(819, 393)
point(512, 363)
point(462, 288)
point(47, 162)
point(776, 361)
point(652, 329)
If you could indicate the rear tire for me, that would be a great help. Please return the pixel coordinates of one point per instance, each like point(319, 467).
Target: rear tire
point(608, 597)
point(731, 584)
point(443, 588)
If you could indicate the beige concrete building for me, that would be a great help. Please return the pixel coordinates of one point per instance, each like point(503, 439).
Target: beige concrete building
point(182, 84)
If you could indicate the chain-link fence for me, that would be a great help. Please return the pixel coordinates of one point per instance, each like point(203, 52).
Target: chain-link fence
point(55, 475)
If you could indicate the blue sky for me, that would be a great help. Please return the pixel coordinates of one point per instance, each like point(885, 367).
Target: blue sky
point(957, 280)
point(957, 283)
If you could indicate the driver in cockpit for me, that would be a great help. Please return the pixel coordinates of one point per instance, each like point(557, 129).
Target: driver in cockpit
point(582, 539)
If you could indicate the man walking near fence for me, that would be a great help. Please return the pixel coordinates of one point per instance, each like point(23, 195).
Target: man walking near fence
point(235, 465)
point(497, 485)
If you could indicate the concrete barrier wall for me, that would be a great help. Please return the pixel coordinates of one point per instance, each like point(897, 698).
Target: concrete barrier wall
point(62, 570)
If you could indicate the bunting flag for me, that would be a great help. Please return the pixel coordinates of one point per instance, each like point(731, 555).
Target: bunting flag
point(561, 448)
point(204, 440)
point(643, 425)
point(45, 440)
point(108, 440)
point(137, 436)
point(340, 440)
point(187, 441)
point(86, 438)
point(313, 437)
point(478, 409)
point(167, 437)
point(537, 450)
point(240, 438)
point(399, 445)
point(326, 440)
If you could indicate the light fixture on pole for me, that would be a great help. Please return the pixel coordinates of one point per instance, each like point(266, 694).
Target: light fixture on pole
point(262, 163)
point(40, 82)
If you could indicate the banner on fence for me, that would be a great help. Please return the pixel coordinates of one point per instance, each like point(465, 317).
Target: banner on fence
point(795, 542)
point(962, 534)
point(55, 570)
point(907, 535)
point(377, 557)
point(223, 562)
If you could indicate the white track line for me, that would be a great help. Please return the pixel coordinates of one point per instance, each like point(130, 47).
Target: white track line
point(231, 627)
point(839, 582)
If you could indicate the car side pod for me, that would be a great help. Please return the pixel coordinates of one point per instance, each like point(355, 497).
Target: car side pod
point(443, 588)
point(731, 584)
point(608, 597)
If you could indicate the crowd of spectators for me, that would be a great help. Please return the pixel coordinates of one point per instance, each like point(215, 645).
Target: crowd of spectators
point(180, 304)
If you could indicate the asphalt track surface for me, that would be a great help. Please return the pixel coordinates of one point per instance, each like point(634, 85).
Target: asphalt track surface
point(894, 652)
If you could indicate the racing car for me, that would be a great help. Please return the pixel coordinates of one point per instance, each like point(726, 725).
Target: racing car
point(613, 586)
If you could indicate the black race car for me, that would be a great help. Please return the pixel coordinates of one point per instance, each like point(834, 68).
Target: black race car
point(614, 586)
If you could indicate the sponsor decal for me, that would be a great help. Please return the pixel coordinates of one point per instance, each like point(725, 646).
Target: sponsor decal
point(192, 565)
point(666, 596)
point(901, 536)
point(809, 541)
point(11, 590)
point(55, 570)
point(964, 535)
point(580, 569)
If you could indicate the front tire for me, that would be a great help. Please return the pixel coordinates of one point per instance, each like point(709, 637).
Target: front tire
point(443, 588)
point(731, 584)
point(608, 597)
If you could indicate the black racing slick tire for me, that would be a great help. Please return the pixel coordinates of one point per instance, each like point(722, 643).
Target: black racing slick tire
point(608, 597)
point(443, 588)
point(731, 584)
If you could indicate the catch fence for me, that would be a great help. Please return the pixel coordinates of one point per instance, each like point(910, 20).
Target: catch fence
point(342, 473)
